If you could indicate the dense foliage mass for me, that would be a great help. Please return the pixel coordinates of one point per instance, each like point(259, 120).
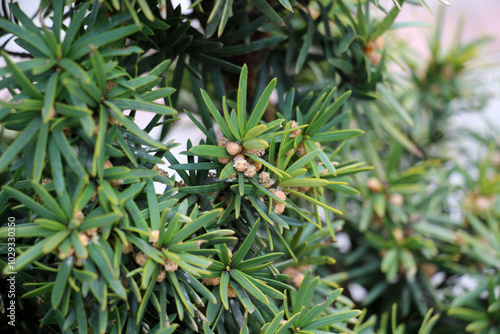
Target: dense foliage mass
point(317, 128)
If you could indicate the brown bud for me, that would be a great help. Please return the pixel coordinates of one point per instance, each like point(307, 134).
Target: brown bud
point(297, 132)
point(369, 48)
point(141, 259)
point(171, 266)
point(258, 152)
point(379, 43)
point(495, 158)
point(374, 185)
point(211, 281)
point(127, 249)
point(304, 189)
point(296, 277)
point(69, 252)
point(279, 208)
point(91, 232)
point(483, 203)
point(93, 196)
point(230, 292)
point(161, 276)
point(250, 171)
point(116, 183)
point(233, 148)
point(84, 239)
point(264, 177)
point(68, 132)
point(281, 195)
point(222, 142)
point(180, 184)
point(396, 199)
point(45, 180)
point(113, 121)
point(429, 269)
point(78, 262)
point(258, 165)
point(153, 237)
point(224, 161)
point(78, 216)
point(398, 234)
point(162, 172)
point(301, 150)
point(240, 165)
point(375, 58)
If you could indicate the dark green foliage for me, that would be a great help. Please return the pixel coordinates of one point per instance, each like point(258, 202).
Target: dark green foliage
point(292, 99)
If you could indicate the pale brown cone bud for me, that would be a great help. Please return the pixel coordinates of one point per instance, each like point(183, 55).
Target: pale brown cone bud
point(258, 152)
point(68, 132)
point(240, 165)
point(483, 204)
point(63, 256)
point(180, 184)
point(429, 269)
point(127, 249)
point(93, 196)
point(239, 157)
point(45, 180)
point(290, 271)
point(281, 195)
point(369, 48)
point(222, 142)
point(78, 262)
point(110, 85)
point(230, 292)
point(78, 216)
point(211, 281)
point(161, 276)
point(459, 239)
point(233, 148)
point(162, 172)
point(91, 232)
point(141, 259)
point(301, 150)
point(374, 185)
point(265, 180)
point(258, 165)
point(153, 237)
point(279, 208)
point(296, 277)
point(379, 43)
point(250, 171)
point(116, 183)
point(375, 58)
point(297, 132)
point(264, 177)
point(303, 189)
point(113, 121)
point(84, 239)
point(495, 158)
point(396, 199)
point(171, 266)
point(224, 161)
point(398, 234)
